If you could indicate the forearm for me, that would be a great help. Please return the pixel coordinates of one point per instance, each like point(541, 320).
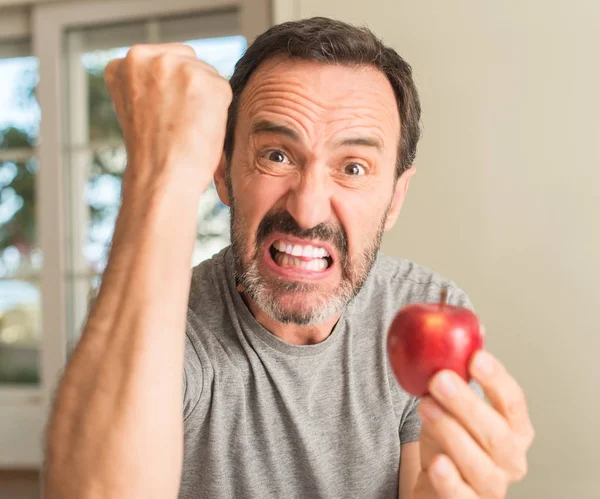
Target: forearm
point(116, 428)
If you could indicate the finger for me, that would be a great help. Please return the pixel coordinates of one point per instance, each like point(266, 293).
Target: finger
point(111, 70)
point(473, 463)
point(424, 487)
point(150, 50)
point(504, 393)
point(446, 480)
point(491, 431)
point(428, 448)
point(111, 76)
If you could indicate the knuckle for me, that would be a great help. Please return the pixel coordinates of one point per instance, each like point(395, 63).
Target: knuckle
point(530, 436)
point(162, 63)
point(498, 441)
point(519, 471)
point(223, 88)
point(216, 91)
point(190, 75)
point(514, 405)
point(188, 49)
point(136, 52)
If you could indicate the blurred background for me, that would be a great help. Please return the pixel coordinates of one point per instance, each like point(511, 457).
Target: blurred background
point(505, 201)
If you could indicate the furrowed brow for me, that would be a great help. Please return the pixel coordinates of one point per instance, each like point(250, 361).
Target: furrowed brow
point(266, 126)
point(361, 141)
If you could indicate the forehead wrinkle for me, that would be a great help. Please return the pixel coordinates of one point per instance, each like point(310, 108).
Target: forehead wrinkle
point(293, 88)
point(315, 105)
point(347, 127)
point(369, 110)
point(286, 115)
point(281, 94)
point(286, 109)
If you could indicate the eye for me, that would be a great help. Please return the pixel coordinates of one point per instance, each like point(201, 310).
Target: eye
point(275, 156)
point(354, 169)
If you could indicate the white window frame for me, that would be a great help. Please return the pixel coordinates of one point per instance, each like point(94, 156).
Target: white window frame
point(23, 411)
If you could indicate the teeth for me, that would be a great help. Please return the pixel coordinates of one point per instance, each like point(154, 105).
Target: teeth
point(286, 260)
point(307, 251)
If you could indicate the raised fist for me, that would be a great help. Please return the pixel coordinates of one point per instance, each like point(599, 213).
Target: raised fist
point(172, 109)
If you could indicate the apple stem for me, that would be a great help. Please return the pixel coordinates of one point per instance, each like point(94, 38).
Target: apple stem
point(443, 296)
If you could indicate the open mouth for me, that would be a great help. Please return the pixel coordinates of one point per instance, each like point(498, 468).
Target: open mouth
point(309, 257)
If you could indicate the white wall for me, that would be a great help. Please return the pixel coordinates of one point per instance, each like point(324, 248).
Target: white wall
point(507, 196)
point(21, 428)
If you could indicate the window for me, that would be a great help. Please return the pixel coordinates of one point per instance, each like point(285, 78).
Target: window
point(59, 195)
point(20, 256)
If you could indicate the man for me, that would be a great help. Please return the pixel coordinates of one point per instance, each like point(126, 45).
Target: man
point(287, 390)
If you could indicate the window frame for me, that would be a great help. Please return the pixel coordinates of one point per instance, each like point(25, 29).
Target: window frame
point(46, 25)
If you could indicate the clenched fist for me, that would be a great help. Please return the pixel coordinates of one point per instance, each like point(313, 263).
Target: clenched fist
point(172, 109)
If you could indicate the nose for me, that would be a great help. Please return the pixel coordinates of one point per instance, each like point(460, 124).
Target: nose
point(309, 201)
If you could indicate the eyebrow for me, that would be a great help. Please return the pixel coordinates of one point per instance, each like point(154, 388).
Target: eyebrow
point(266, 126)
point(361, 141)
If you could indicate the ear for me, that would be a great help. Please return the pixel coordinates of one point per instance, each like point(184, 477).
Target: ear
point(398, 198)
point(221, 181)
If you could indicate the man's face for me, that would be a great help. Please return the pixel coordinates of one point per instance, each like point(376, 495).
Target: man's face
point(311, 184)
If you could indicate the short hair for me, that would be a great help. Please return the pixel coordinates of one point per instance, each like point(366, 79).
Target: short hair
point(333, 42)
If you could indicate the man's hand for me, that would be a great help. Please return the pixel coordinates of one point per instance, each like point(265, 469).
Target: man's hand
point(470, 449)
point(172, 109)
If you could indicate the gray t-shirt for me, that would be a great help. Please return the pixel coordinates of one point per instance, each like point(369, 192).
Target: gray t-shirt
point(267, 419)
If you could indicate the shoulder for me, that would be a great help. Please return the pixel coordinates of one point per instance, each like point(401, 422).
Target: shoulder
point(207, 305)
point(206, 312)
point(208, 277)
point(396, 282)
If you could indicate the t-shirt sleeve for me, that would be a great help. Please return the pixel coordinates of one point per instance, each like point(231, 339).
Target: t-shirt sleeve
point(192, 378)
point(410, 427)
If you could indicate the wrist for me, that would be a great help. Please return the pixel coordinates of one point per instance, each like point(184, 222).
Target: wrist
point(183, 175)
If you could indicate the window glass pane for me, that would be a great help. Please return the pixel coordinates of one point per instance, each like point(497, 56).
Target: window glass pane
point(102, 119)
point(20, 262)
point(19, 331)
point(102, 196)
point(221, 53)
point(20, 257)
point(19, 251)
point(19, 110)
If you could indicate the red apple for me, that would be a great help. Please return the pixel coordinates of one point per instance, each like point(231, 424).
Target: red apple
point(425, 338)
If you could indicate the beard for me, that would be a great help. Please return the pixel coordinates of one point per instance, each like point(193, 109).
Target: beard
point(265, 291)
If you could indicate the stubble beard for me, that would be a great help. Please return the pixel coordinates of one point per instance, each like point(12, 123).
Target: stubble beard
point(264, 292)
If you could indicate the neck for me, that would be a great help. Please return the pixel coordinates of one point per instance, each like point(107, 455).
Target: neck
point(292, 333)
